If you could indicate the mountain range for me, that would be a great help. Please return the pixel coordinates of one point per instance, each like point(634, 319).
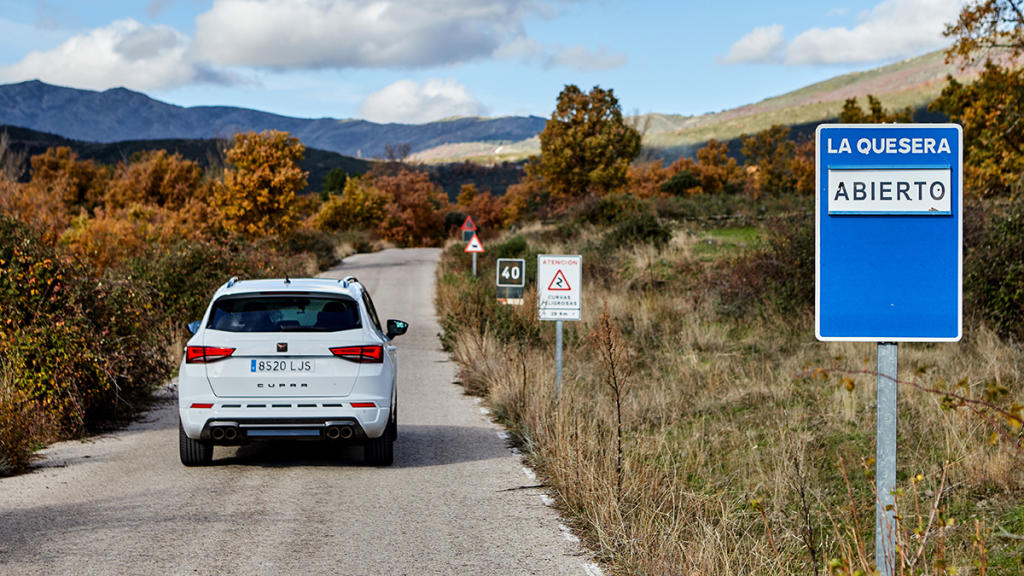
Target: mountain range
point(121, 114)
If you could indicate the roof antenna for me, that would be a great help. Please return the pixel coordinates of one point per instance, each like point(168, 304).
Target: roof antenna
point(287, 280)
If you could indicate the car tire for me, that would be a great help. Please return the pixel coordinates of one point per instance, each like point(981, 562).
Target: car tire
point(193, 452)
point(380, 451)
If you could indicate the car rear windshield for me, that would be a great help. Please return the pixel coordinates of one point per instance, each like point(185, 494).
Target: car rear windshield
point(262, 313)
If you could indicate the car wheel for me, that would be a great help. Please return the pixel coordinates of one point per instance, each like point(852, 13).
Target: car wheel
point(193, 452)
point(380, 451)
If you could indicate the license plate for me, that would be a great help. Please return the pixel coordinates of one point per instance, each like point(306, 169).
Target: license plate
point(286, 366)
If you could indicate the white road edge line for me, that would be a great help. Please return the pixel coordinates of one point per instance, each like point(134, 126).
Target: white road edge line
point(591, 569)
point(529, 473)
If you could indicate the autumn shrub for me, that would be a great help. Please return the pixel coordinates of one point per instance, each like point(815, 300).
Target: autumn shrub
point(415, 210)
point(80, 184)
point(487, 210)
point(79, 347)
point(777, 277)
point(154, 177)
point(360, 206)
point(994, 264)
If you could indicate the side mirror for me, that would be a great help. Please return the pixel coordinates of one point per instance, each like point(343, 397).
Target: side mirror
point(396, 328)
point(193, 327)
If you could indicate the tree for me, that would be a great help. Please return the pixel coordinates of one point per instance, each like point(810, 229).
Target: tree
point(771, 151)
point(984, 25)
point(334, 183)
point(991, 111)
point(79, 183)
point(876, 114)
point(155, 177)
point(586, 146)
point(415, 212)
point(360, 206)
point(258, 194)
point(717, 171)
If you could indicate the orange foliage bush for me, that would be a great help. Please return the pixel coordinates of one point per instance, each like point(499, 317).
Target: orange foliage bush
point(487, 210)
point(415, 212)
point(154, 177)
point(258, 194)
point(79, 183)
point(359, 206)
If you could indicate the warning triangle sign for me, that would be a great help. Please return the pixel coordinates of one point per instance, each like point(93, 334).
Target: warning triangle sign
point(469, 225)
point(559, 282)
point(475, 245)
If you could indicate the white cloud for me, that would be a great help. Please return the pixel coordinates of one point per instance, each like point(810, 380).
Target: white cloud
point(892, 29)
point(763, 44)
point(289, 34)
point(125, 53)
point(406, 101)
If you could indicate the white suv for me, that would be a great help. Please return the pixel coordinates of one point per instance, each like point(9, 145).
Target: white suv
point(292, 359)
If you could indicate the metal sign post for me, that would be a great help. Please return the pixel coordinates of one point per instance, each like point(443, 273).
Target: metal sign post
point(559, 287)
point(889, 261)
point(885, 457)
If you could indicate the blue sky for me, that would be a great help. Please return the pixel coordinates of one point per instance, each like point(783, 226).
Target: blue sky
point(421, 60)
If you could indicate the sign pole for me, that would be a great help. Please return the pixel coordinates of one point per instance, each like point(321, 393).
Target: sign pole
point(885, 458)
point(474, 264)
point(558, 359)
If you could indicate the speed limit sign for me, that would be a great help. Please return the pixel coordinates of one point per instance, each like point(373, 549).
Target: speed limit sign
point(511, 273)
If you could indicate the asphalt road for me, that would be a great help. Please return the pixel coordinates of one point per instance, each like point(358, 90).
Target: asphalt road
point(457, 500)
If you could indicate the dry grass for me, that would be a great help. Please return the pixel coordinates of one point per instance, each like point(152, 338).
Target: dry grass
point(733, 430)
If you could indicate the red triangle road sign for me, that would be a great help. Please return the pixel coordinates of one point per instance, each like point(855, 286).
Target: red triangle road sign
point(475, 245)
point(469, 225)
point(559, 282)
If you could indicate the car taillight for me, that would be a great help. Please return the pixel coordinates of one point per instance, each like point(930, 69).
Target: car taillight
point(206, 354)
point(361, 354)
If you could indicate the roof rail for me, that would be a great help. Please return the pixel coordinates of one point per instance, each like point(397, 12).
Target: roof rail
point(348, 280)
point(233, 281)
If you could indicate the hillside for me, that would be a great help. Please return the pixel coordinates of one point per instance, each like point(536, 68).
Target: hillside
point(119, 114)
point(914, 82)
point(204, 151)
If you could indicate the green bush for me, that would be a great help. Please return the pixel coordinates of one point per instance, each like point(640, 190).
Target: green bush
point(638, 228)
point(309, 241)
point(606, 210)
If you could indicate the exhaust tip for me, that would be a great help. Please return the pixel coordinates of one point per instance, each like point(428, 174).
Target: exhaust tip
point(230, 433)
point(333, 432)
point(345, 432)
point(217, 433)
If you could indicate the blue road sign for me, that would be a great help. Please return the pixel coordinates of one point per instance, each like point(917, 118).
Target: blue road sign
point(889, 232)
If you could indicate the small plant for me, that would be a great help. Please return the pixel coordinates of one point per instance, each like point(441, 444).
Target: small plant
point(615, 362)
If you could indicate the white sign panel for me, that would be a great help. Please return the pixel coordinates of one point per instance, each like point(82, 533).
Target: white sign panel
point(559, 287)
point(924, 191)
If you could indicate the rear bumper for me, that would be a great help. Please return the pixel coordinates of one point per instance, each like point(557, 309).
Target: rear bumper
point(295, 418)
